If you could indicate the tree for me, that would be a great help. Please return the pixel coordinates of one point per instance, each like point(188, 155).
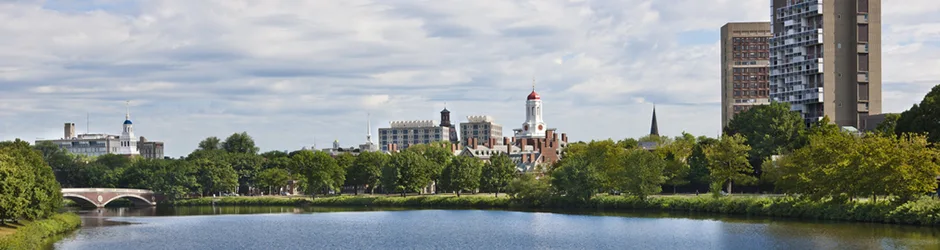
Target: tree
point(628, 143)
point(603, 155)
point(576, 179)
point(768, 129)
point(215, 176)
point(247, 166)
point(728, 161)
point(210, 143)
point(37, 195)
point(463, 173)
point(497, 173)
point(345, 161)
point(438, 155)
point(174, 179)
point(240, 143)
point(641, 173)
point(321, 171)
point(923, 117)
point(888, 125)
point(63, 165)
point(530, 190)
point(273, 179)
point(366, 170)
point(698, 163)
point(413, 171)
point(676, 156)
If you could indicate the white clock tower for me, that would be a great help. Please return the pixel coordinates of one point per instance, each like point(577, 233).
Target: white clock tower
point(534, 126)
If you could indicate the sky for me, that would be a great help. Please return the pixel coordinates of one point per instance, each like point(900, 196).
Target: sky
point(297, 73)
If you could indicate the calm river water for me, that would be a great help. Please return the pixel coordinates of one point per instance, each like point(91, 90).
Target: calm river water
point(345, 228)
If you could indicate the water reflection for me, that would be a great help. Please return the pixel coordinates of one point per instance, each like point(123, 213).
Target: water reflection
point(396, 228)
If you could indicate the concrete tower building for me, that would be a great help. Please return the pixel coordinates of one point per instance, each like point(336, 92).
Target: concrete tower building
point(825, 58)
point(745, 53)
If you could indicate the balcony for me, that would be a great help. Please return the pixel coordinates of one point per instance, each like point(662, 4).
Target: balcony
point(863, 77)
point(863, 48)
point(862, 18)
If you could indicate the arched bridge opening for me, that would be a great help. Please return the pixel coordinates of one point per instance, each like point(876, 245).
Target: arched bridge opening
point(99, 197)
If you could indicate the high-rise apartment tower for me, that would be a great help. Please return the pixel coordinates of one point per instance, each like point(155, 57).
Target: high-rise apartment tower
point(745, 53)
point(825, 58)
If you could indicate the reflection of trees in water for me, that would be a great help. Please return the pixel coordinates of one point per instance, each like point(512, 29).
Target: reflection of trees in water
point(848, 235)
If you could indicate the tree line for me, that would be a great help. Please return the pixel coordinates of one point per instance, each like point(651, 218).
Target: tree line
point(233, 165)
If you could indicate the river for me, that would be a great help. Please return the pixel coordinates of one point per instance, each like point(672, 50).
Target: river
point(361, 228)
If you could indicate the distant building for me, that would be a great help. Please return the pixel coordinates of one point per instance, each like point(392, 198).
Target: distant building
point(402, 134)
point(94, 145)
point(532, 146)
point(871, 122)
point(481, 128)
point(654, 131)
point(150, 149)
point(745, 68)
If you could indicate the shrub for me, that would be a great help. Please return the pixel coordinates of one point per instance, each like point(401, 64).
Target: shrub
point(33, 234)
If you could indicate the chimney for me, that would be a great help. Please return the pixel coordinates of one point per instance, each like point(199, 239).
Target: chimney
point(524, 142)
point(564, 137)
point(508, 149)
point(492, 143)
point(69, 130)
point(475, 143)
point(550, 135)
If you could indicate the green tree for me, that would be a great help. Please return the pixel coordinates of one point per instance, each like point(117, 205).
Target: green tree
point(497, 173)
point(174, 179)
point(438, 155)
point(530, 190)
point(40, 190)
point(602, 155)
point(641, 173)
point(413, 171)
point(463, 173)
point(366, 170)
point(698, 162)
point(728, 161)
point(676, 155)
point(273, 179)
point(768, 129)
point(345, 161)
point(389, 178)
point(628, 143)
point(215, 176)
point(63, 165)
point(321, 171)
point(210, 143)
point(888, 125)
point(240, 143)
point(15, 189)
point(923, 118)
point(247, 166)
point(576, 180)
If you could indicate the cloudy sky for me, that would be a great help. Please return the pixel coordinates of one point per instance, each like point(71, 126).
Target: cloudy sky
point(295, 73)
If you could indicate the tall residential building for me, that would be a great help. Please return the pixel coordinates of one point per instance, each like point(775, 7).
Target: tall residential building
point(745, 53)
point(826, 58)
point(481, 128)
point(402, 134)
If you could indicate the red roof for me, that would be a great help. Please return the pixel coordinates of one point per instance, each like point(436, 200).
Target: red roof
point(534, 96)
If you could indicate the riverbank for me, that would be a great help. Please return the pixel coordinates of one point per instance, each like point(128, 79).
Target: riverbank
point(922, 212)
point(32, 235)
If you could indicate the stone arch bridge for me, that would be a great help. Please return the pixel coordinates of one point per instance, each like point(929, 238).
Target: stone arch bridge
point(99, 197)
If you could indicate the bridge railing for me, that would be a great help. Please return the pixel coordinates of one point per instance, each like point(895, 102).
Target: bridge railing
point(102, 190)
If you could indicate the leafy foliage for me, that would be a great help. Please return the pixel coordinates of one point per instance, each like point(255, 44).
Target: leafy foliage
point(462, 173)
point(923, 118)
point(768, 129)
point(366, 170)
point(497, 173)
point(320, 170)
point(728, 161)
point(29, 189)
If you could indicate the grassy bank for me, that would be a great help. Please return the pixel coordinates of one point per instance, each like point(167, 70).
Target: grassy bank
point(32, 235)
point(922, 212)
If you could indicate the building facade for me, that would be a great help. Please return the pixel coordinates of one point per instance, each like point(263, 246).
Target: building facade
point(533, 146)
point(825, 58)
point(94, 145)
point(402, 134)
point(745, 61)
point(480, 127)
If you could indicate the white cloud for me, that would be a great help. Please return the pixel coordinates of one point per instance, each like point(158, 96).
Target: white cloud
point(287, 72)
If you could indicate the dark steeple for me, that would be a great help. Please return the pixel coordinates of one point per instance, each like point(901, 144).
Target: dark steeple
point(445, 118)
point(654, 128)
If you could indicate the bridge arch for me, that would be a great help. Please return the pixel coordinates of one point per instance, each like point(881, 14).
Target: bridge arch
point(81, 200)
point(136, 199)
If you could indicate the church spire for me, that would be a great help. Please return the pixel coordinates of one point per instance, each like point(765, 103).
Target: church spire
point(654, 128)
